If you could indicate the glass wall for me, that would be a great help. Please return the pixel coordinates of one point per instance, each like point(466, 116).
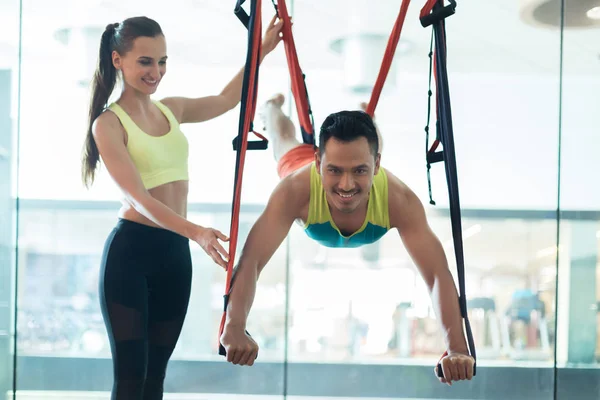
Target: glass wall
point(9, 97)
point(351, 323)
point(578, 335)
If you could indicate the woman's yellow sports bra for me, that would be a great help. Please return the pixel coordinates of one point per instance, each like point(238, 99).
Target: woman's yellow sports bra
point(159, 159)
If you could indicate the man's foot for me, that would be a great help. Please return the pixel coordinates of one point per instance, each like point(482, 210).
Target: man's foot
point(277, 100)
point(278, 127)
point(363, 106)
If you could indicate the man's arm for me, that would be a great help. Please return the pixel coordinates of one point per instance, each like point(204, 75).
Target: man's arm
point(428, 254)
point(407, 214)
point(265, 237)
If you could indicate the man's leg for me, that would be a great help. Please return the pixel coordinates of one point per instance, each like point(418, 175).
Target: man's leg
point(279, 128)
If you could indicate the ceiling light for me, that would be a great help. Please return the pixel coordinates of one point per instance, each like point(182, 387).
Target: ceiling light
point(361, 59)
point(593, 13)
point(559, 14)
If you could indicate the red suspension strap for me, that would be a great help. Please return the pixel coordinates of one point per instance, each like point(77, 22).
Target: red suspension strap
point(298, 78)
point(388, 58)
point(253, 22)
point(298, 81)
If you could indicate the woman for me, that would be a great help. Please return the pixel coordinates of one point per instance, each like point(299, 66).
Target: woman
point(146, 265)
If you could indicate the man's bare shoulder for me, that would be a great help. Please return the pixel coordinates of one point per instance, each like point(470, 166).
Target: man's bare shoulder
point(397, 189)
point(294, 191)
point(402, 200)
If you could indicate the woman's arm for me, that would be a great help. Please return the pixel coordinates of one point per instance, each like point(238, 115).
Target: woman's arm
point(190, 110)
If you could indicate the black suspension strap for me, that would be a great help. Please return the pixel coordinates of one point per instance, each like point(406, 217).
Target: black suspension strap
point(252, 22)
point(241, 143)
point(434, 13)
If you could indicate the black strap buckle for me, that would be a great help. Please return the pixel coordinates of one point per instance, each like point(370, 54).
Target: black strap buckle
point(241, 13)
point(438, 14)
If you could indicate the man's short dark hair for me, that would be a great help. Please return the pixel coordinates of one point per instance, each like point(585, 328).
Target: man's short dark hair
point(347, 126)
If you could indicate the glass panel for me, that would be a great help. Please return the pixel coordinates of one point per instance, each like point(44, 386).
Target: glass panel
point(352, 322)
point(61, 245)
point(9, 100)
point(578, 336)
point(63, 344)
point(368, 321)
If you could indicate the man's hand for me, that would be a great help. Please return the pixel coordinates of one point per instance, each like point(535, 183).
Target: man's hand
point(456, 367)
point(240, 347)
point(407, 214)
point(265, 237)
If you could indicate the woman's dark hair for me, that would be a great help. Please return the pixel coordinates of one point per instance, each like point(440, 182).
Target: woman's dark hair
point(117, 37)
point(347, 126)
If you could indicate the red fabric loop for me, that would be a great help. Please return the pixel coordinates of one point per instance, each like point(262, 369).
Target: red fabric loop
point(388, 58)
point(260, 136)
point(296, 75)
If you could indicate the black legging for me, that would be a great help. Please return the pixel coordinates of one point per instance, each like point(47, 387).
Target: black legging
point(145, 282)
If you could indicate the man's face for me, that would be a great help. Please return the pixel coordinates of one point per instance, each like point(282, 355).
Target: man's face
point(347, 170)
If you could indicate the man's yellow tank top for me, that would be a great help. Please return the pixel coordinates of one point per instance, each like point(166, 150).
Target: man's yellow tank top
point(320, 225)
point(159, 159)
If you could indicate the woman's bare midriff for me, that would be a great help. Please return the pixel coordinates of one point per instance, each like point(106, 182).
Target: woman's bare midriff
point(174, 195)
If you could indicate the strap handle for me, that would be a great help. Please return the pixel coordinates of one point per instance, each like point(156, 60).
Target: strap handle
point(262, 144)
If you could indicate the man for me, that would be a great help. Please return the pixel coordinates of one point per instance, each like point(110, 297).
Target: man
point(342, 197)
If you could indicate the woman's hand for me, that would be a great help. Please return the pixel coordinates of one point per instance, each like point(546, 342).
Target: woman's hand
point(272, 36)
point(208, 239)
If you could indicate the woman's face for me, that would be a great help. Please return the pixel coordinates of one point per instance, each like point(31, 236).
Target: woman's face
point(144, 65)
